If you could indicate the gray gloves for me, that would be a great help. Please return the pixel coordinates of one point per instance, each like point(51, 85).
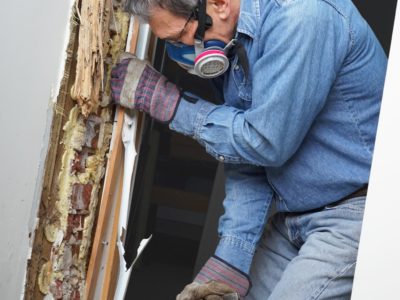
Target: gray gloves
point(217, 280)
point(136, 85)
point(211, 290)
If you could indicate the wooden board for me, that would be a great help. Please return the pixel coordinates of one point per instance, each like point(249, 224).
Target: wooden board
point(109, 189)
point(104, 245)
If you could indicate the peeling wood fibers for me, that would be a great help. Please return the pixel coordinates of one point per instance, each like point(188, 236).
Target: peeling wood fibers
point(94, 18)
point(69, 222)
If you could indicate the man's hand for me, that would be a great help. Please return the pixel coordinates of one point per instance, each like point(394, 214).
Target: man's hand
point(136, 85)
point(217, 280)
point(211, 290)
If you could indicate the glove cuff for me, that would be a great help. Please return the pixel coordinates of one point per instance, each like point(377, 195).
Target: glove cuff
point(219, 270)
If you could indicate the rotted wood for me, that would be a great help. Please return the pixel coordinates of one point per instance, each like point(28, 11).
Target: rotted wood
point(93, 36)
point(40, 246)
point(77, 71)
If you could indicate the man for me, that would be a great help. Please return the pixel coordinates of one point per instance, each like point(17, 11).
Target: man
point(302, 82)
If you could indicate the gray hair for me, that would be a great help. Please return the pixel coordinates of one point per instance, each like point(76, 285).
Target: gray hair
point(143, 8)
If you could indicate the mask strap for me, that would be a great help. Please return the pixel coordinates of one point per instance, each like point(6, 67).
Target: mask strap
point(204, 20)
point(229, 46)
point(201, 18)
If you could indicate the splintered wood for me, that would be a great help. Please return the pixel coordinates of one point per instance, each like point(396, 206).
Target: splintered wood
point(89, 81)
point(76, 162)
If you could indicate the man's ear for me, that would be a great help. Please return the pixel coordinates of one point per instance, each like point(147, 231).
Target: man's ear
point(222, 8)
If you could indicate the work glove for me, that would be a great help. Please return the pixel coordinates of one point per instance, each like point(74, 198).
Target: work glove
point(217, 280)
point(211, 290)
point(137, 85)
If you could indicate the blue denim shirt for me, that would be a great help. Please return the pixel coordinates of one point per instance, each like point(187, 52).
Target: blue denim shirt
point(300, 130)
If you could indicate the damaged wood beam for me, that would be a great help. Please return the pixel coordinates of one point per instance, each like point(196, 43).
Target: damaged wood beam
point(94, 18)
point(75, 164)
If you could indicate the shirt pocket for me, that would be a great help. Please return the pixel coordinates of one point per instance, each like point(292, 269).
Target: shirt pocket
point(243, 83)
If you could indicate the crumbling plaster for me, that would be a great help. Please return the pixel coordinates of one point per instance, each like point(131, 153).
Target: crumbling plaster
point(34, 37)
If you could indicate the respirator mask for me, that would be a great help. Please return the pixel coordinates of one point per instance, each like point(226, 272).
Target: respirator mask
point(206, 59)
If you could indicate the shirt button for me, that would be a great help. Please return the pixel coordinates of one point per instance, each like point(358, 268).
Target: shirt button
point(221, 158)
point(236, 67)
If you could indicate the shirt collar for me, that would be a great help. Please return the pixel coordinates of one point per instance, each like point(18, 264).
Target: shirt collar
point(249, 17)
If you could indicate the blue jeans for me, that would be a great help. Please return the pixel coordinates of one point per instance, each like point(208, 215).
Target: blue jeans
point(306, 256)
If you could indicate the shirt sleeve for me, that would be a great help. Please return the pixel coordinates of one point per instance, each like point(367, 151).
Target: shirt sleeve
point(246, 206)
point(301, 50)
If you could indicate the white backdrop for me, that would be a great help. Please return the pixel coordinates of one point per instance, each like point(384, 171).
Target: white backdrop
point(378, 267)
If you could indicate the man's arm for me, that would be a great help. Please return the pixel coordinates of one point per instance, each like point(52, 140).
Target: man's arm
point(247, 202)
point(301, 50)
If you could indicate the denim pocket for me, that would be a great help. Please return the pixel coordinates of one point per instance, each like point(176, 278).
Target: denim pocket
point(356, 204)
point(242, 83)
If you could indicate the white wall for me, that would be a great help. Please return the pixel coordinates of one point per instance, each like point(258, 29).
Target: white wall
point(33, 38)
point(378, 268)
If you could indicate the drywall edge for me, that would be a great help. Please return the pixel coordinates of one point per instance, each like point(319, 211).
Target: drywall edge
point(33, 55)
point(54, 93)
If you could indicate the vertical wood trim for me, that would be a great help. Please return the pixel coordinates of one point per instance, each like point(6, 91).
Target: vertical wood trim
point(135, 34)
point(111, 268)
point(112, 265)
point(110, 182)
point(109, 190)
